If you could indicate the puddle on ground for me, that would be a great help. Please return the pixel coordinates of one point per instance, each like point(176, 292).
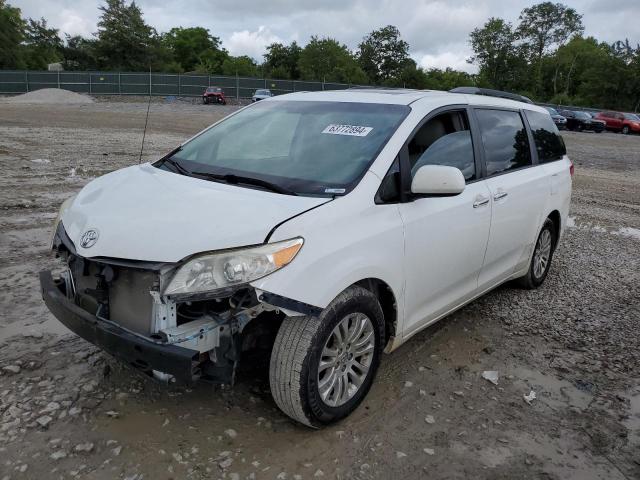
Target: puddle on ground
point(552, 391)
point(574, 222)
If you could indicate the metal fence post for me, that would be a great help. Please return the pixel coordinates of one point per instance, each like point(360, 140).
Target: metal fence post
point(323, 83)
point(119, 84)
point(237, 87)
point(89, 83)
point(149, 81)
point(179, 84)
point(26, 80)
point(58, 78)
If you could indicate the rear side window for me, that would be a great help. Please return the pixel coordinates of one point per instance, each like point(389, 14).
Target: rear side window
point(504, 139)
point(549, 143)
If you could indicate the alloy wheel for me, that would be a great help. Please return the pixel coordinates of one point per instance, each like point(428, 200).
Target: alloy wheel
point(346, 359)
point(542, 253)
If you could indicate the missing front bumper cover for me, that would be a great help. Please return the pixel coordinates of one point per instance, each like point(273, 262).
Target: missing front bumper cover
point(146, 355)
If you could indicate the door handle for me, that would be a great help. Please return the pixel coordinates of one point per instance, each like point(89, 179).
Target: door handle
point(500, 195)
point(480, 202)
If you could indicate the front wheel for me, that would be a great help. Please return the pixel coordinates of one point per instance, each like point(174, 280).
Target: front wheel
point(322, 367)
point(541, 258)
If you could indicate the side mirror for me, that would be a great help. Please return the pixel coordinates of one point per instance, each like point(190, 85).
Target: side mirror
point(437, 180)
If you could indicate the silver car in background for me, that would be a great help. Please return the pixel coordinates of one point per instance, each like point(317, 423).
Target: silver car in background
point(261, 95)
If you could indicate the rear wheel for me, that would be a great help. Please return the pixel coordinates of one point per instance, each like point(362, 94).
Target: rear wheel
point(625, 129)
point(541, 258)
point(322, 367)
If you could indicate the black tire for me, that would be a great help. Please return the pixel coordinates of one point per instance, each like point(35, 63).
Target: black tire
point(625, 130)
point(532, 280)
point(293, 371)
point(205, 100)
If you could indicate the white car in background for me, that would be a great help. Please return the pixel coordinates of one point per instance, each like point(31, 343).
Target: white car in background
point(328, 227)
point(261, 95)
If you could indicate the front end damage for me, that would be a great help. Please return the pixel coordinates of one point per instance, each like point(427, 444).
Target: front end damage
point(118, 305)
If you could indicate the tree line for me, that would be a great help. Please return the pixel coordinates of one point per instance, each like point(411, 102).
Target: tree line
point(544, 56)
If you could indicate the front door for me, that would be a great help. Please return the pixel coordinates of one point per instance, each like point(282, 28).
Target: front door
point(445, 237)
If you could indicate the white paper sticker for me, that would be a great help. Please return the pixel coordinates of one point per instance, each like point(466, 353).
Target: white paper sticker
point(351, 130)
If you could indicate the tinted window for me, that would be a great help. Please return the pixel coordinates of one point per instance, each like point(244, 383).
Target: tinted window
point(444, 140)
point(549, 143)
point(552, 111)
point(504, 139)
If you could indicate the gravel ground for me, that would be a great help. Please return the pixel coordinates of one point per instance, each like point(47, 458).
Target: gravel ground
point(69, 411)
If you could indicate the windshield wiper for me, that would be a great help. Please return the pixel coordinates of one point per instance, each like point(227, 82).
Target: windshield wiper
point(179, 168)
point(236, 179)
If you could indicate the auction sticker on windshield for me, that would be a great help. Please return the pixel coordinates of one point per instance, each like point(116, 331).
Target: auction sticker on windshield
point(352, 130)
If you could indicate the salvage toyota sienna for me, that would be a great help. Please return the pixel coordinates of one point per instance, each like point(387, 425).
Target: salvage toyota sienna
point(332, 226)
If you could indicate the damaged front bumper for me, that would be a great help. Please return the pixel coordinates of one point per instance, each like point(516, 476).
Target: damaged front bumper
point(147, 355)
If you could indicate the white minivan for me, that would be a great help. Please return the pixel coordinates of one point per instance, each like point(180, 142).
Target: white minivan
point(325, 227)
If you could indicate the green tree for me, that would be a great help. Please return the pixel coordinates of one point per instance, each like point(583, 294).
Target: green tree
point(79, 53)
point(497, 54)
point(190, 46)
point(544, 26)
point(125, 41)
point(243, 66)
point(438, 79)
point(383, 54)
point(281, 61)
point(326, 59)
point(42, 45)
point(12, 33)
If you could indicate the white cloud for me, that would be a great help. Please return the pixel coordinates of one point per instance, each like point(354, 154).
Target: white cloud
point(249, 43)
point(455, 60)
point(75, 24)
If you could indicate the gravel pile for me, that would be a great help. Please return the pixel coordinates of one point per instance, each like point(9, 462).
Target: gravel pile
point(51, 95)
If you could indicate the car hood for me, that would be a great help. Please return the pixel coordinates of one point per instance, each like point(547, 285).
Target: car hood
point(144, 213)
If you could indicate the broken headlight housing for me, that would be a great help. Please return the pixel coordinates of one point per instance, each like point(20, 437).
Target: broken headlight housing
point(221, 270)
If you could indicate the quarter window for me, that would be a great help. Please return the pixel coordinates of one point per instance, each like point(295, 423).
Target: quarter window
point(549, 143)
point(444, 140)
point(504, 139)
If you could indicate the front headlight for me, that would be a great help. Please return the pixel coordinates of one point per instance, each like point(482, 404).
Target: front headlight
point(63, 208)
point(217, 271)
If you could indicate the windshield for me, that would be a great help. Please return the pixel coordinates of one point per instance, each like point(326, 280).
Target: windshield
point(552, 111)
point(583, 115)
point(312, 148)
point(214, 89)
point(632, 117)
point(263, 92)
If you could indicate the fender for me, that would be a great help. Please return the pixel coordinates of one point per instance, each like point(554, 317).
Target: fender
point(341, 249)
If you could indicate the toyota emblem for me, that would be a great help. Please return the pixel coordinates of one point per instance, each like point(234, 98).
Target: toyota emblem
point(89, 238)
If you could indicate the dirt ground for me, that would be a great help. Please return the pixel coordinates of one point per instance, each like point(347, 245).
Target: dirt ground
point(69, 411)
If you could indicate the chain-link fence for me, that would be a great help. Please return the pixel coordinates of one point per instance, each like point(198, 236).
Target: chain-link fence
point(121, 83)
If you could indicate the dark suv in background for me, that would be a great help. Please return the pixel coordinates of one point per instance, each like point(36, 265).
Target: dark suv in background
point(620, 122)
point(577, 120)
point(558, 119)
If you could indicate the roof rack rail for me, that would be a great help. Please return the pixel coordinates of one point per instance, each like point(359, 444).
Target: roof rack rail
point(491, 93)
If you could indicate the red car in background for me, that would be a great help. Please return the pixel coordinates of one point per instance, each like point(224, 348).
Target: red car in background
point(620, 122)
point(214, 95)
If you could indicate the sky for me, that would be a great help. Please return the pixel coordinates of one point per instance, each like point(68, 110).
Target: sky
point(437, 30)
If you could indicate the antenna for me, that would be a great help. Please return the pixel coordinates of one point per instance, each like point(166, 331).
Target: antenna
point(146, 120)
